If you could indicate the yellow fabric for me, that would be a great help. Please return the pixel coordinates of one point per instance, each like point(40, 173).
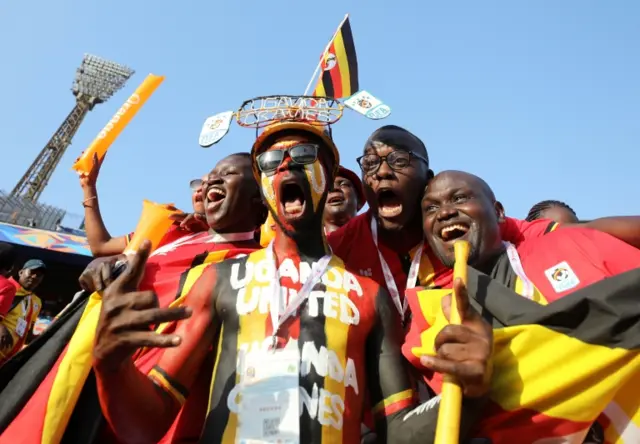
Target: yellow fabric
point(72, 372)
point(550, 372)
point(28, 309)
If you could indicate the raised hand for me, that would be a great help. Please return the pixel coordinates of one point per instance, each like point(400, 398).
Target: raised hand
point(127, 315)
point(464, 351)
point(88, 181)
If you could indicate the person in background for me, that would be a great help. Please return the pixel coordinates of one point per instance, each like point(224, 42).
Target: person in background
point(344, 201)
point(25, 307)
point(552, 209)
point(7, 290)
point(103, 244)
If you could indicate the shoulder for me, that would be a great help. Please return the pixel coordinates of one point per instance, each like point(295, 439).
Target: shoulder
point(517, 230)
point(342, 239)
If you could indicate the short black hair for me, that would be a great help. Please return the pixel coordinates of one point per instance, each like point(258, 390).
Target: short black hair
point(421, 145)
point(7, 256)
point(536, 210)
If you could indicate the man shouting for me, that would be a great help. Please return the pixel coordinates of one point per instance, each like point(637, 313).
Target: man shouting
point(302, 344)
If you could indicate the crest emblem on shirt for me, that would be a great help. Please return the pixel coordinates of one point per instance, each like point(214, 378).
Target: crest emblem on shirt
point(562, 277)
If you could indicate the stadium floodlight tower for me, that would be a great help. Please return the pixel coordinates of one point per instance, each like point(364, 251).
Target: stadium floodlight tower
point(96, 81)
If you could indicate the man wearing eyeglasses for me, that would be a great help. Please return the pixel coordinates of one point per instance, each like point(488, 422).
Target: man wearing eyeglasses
point(300, 341)
point(386, 243)
point(100, 240)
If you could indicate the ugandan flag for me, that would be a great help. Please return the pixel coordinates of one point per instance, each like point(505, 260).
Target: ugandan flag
point(339, 66)
point(48, 390)
point(557, 367)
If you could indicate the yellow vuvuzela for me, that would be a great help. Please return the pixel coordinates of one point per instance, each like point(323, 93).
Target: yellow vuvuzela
point(448, 428)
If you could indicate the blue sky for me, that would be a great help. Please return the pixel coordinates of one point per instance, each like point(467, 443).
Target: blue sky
point(539, 98)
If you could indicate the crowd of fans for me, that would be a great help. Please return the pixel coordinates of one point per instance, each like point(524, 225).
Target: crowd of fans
point(187, 324)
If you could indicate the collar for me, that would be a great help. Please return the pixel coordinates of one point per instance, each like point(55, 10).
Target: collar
point(230, 237)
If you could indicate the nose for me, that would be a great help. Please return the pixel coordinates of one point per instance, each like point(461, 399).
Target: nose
point(213, 179)
point(287, 163)
point(446, 212)
point(384, 171)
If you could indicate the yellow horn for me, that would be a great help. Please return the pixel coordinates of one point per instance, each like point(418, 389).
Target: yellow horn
point(154, 222)
point(448, 427)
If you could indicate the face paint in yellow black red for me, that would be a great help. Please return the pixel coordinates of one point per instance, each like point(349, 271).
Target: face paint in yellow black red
point(295, 193)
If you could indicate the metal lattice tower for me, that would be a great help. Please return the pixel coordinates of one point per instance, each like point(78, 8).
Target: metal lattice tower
point(96, 81)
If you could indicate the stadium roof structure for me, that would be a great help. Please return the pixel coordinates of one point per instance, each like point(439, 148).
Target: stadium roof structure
point(44, 239)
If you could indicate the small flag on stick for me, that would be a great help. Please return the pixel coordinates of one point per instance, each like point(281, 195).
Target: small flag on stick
point(338, 66)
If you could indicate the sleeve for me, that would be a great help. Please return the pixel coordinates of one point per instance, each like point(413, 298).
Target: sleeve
point(399, 417)
point(7, 293)
point(517, 231)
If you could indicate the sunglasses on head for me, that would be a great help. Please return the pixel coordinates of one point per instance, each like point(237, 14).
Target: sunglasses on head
point(303, 154)
point(195, 184)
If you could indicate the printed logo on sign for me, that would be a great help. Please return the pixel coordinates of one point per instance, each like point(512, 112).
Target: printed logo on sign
point(381, 112)
point(562, 277)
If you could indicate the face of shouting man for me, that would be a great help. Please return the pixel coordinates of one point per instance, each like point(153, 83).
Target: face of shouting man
point(395, 170)
point(295, 173)
point(232, 201)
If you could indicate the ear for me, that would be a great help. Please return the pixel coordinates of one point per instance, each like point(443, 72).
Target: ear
point(499, 211)
point(430, 175)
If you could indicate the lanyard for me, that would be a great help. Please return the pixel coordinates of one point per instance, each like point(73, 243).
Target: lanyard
point(516, 264)
point(388, 276)
point(277, 320)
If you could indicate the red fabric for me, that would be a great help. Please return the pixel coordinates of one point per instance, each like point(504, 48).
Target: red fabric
point(7, 293)
point(27, 427)
point(353, 243)
point(590, 254)
point(167, 264)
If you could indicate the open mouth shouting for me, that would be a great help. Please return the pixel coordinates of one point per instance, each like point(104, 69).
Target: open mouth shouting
point(452, 232)
point(389, 203)
point(215, 197)
point(335, 199)
point(292, 199)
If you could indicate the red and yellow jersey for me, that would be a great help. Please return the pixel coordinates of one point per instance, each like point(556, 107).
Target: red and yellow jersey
point(533, 395)
point(20, 318)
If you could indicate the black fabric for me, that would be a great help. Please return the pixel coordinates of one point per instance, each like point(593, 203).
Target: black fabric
point(606, 313)
point(21, 375)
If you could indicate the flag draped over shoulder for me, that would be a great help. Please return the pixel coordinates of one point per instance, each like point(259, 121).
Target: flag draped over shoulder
point(48, 391)
point(33, 379)
point(339, 66)
point(557, 367)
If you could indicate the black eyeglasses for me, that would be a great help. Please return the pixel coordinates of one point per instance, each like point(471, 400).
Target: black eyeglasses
point(303, 154)
point(397, 160)
point(195, 184)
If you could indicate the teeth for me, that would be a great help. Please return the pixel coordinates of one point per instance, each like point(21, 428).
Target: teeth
point(446, 230)
point(216, 192)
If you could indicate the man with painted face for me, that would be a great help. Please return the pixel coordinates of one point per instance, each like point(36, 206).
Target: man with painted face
point(234, 209)
point(459, 205)
point(344, 201)
point(299, 339)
